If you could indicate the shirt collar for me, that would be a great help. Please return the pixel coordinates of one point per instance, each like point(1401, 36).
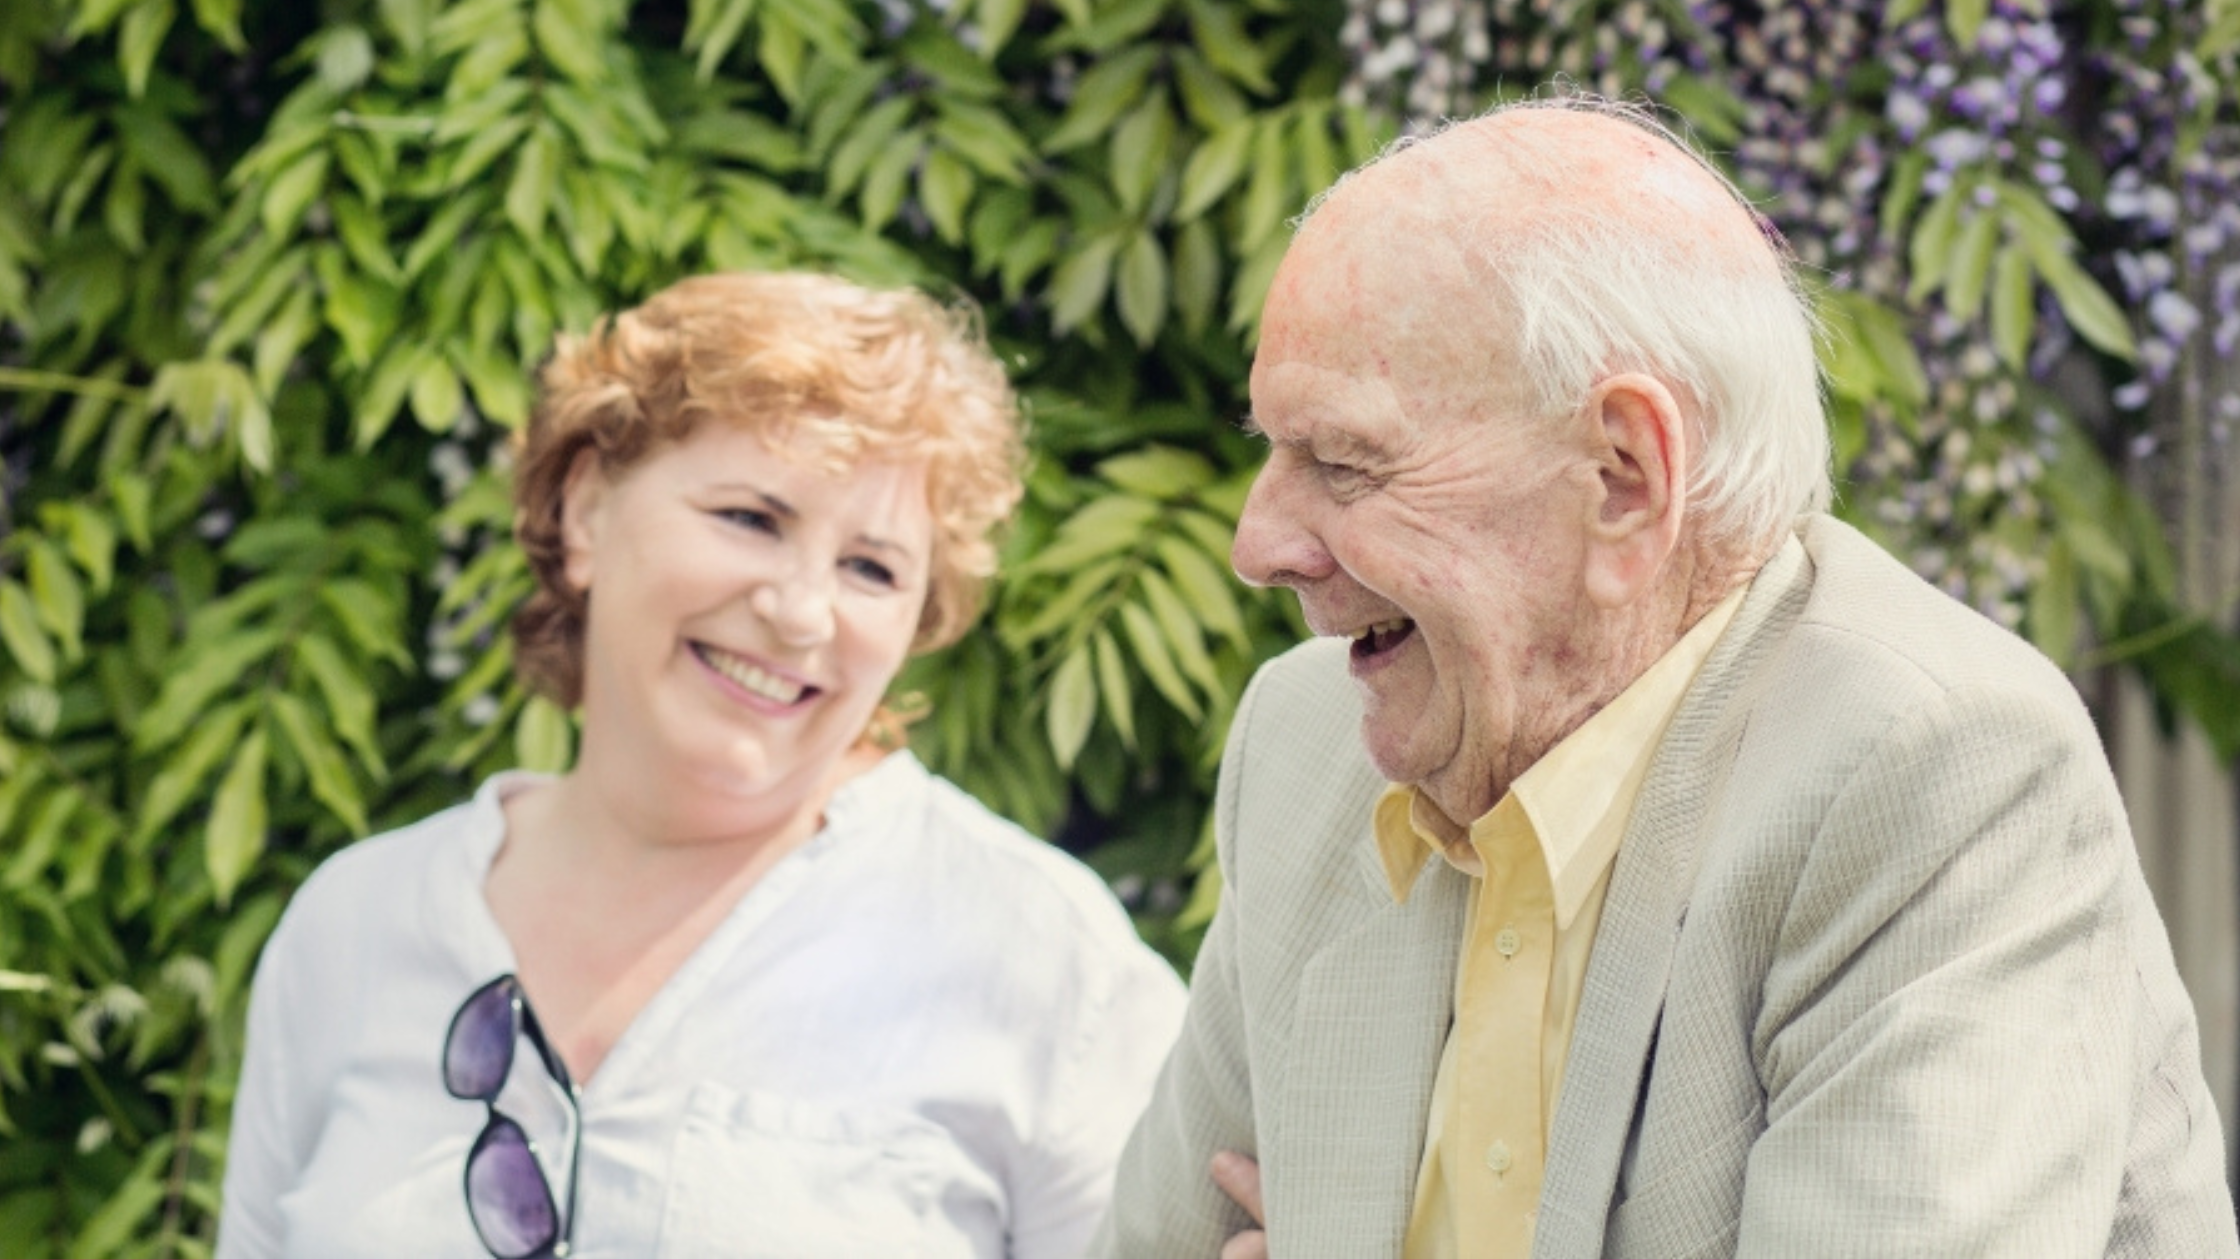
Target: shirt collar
point(1576, 806)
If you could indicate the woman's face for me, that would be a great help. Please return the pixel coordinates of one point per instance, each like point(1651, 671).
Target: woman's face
point(747, 611)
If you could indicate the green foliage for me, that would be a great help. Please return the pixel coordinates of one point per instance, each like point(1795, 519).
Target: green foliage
point(273, 282)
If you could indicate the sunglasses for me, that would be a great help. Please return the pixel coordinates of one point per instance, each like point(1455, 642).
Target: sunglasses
point(508, 1197)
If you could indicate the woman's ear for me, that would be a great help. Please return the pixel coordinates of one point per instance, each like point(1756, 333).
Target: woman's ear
point(1642, 447)
point(582, 497)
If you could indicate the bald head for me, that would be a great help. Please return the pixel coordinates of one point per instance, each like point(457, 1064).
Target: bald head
point(1559, 242)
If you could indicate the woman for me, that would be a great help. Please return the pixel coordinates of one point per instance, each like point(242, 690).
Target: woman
point(747, 980)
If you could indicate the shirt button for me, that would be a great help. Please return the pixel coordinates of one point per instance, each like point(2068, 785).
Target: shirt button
point(1507, 942)
point(1497, 1157)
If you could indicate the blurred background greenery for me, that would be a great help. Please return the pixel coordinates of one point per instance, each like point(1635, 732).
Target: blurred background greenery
point(274, 276)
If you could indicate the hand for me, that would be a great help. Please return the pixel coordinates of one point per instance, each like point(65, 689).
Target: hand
point(1239, 1178)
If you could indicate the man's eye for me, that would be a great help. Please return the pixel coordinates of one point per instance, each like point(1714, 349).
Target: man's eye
point(871, 570)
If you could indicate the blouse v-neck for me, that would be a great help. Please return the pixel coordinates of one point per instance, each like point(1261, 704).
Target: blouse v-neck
point(459, 891)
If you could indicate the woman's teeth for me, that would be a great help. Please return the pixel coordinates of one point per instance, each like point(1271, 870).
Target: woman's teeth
point(761, 682)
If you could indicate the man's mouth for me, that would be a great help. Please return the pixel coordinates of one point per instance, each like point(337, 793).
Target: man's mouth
point(1382, 637)
point(757, 681)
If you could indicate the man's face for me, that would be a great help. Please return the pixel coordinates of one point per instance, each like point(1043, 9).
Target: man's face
point(1414, 509)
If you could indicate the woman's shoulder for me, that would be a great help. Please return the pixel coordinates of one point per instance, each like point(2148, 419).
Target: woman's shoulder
point(976, 856)
point(383, 878)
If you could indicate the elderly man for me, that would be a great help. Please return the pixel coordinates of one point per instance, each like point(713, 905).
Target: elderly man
point(1710, 885)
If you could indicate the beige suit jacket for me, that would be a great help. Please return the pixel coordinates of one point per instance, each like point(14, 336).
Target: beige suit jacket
point(1877, 973)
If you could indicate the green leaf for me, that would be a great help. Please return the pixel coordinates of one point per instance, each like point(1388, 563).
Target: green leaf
point(133, 495)
point(368, 617)
point(944, 189)
point(1197, 275)
point(998, 19)
point(1932, 245)
point(1181, 630)
point(187, 691)
point(2090, 310)
point(1219, 33)
point(1211, 592)
point(1158, 472)
point(188, 767)
point(234, 839)
point(138, 42)
point(1078, 286)
point(2013, 308)
point(331, 783)
point(712, 32)
point(1267, 197)
point(2053, 606)
point(536, 180)
point(871, 136)
point(345, 58)
point(1212, 102)
point(1105, 525)
point(1965, 19)
point(985, 138)
point(1969, 268)
point(1157, 661)
point(1139, 153)
point(1213, 169)
point(292, 191)
point(571, 37)
point(60, 599)
point(19, 629)
point(1086, 584)
point(543, 737)
point(1143, 288)
point(1073, 706)
point(124, 210)
point(93, 544)
point(890, 172)
point(437, 400)
point(349, 699)
point(1099, 98)
point(1112, 683)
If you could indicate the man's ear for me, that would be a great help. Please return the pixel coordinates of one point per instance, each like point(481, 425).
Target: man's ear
point(1641, 444)
point(582, 497)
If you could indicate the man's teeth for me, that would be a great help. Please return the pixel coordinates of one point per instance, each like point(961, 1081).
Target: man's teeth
point(762, 683)
point(1373, 633)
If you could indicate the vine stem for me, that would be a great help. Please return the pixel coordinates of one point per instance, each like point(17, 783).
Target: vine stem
point(182, 1147)
point(31, 379)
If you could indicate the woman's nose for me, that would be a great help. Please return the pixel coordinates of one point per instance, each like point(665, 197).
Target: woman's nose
point(798, 608)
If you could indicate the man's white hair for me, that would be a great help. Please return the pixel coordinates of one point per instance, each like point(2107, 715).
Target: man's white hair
point(1588, 293)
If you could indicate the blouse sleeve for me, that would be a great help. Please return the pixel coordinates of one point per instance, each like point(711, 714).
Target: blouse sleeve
point(258, 1153)
point(1125, 1027)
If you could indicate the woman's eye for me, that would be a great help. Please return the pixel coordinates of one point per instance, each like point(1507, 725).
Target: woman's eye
point(751, 518)
point(871, 570)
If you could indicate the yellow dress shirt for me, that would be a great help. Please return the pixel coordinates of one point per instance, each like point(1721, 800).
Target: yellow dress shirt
point(1540, 861)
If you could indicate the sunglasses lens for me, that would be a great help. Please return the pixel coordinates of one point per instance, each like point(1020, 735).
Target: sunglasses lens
point(507, 1195)
point(478, 1052)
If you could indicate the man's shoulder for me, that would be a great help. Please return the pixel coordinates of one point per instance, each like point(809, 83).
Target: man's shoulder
point(1870, 614)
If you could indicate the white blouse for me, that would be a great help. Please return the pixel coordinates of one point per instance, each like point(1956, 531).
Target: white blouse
point(924, 1033)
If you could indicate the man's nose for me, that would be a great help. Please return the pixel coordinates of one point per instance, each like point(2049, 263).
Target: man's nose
point(798, 606)
point(1275, 545)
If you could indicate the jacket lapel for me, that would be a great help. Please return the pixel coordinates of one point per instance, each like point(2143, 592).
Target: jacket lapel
point(1627, 975)
point(1374, 1006)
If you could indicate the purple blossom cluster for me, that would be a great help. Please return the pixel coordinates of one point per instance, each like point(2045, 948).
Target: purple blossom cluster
point(2169, 138)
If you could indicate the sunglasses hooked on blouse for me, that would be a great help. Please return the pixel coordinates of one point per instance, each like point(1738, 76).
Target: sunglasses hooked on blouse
point(509, 1197)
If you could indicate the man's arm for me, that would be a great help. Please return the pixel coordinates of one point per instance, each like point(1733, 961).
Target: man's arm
point(1951, 1033)
point(1164, 1201)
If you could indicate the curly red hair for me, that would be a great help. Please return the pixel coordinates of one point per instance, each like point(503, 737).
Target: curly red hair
point(824, 370)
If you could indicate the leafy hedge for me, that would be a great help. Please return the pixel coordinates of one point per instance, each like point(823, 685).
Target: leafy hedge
point(273, 278)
